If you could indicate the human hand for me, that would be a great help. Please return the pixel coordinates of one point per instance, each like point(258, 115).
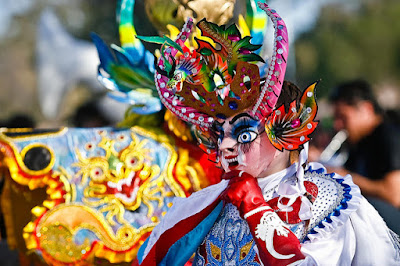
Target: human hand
point(243, 192)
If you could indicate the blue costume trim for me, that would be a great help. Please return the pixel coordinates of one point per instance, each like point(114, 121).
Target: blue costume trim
point(141, 251)
point(343, 203)
point(180, 252)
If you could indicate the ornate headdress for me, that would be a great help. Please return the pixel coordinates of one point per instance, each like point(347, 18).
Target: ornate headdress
point(218, 80)
point(212, 82)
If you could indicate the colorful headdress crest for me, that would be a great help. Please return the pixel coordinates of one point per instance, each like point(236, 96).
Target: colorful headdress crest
point(217, 81)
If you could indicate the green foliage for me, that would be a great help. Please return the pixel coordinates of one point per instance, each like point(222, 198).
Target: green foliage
point(351, 44)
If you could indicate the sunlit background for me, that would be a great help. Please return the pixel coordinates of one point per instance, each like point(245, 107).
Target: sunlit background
point(48, 64)
point(331, 41)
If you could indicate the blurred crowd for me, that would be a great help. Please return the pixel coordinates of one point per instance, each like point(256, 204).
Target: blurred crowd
point(365, 143)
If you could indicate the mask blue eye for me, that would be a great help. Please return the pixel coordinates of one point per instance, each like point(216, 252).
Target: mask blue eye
point(247, 136)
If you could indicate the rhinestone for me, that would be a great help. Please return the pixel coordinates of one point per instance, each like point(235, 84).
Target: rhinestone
point(279, 38)
point(233, 105)
point(309, 94)
point(290, 146)
point(309, 126)
point(277, 73)
point(277, 112)
point(269, 89)
point(208, 151)
point(158, 76)
point(201, 119)
point(191, 115)
point(272, 83)
point(221, 116)
point(210, 119)
point(302, 138)
point(273, 11)
point(183, 37)
point(168, 50)
point(162, 85)
point(166, 94)
point(279, 61)
point(280, 27)
point(309, 110)
point(280, 51)
point(186, 54)
point(194, 71)
point(175, 102)
point(295, 123)
point(183, 110)
point(294, 110)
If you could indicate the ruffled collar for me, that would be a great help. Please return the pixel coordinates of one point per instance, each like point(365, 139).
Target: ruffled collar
point(273, 180)
point(346, 197)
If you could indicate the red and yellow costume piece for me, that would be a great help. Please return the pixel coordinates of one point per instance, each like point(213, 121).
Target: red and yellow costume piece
point(79, 194)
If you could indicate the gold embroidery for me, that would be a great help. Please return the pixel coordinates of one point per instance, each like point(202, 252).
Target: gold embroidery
point(215, 252)
point(245, 250)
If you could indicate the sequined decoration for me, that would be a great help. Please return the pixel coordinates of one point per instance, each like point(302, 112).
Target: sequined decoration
point(229, 242)
point(105, 190)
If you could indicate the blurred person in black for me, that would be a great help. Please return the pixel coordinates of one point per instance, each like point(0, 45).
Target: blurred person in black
point(89, 115)
point(373, 147)
point(19, 121)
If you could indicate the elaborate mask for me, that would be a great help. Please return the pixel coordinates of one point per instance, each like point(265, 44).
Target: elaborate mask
point(220, 79)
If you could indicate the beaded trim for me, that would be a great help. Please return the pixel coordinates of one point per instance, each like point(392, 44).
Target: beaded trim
point(269, 92)
point(276, 72)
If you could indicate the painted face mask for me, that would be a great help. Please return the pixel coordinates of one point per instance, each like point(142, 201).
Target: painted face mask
point(243, 144)
point(221, 79)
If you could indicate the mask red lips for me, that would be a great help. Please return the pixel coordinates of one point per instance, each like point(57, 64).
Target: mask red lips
point(232, 161)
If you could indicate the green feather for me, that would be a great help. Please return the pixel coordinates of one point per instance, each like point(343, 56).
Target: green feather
point(160, 40)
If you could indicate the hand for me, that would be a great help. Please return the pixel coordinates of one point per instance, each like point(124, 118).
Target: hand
point(243, 192)
point(274, 249)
